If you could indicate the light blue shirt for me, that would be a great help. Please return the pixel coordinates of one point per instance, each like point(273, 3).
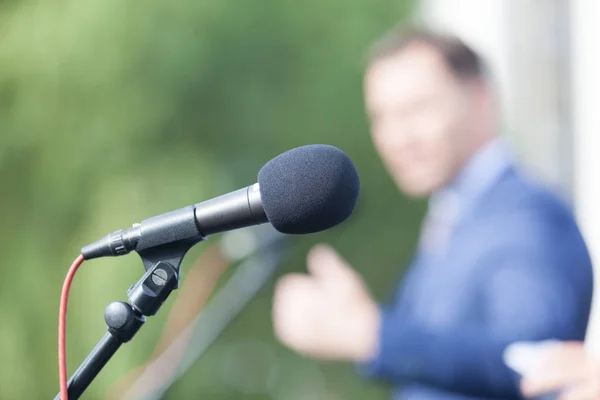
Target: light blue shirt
point(447, 205)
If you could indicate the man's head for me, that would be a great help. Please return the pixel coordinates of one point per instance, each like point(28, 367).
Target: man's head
point(430, 107)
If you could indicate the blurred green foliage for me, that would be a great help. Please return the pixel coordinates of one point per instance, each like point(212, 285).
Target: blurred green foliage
point(113, 111)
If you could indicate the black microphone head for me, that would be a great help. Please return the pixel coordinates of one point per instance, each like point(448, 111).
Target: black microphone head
point(308, 189)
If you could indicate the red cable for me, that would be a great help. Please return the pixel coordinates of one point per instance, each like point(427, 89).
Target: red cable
point(62, 328)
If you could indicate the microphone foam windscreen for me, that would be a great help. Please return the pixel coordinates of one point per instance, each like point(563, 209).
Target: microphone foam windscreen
point(308, 189)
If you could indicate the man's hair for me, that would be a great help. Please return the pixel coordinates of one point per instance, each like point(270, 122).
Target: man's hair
point(461, 60)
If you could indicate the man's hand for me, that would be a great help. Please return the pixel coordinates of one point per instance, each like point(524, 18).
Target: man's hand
point(329, 313)
point(567, 369)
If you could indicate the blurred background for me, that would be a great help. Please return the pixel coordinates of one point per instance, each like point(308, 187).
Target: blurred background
point(112, 111)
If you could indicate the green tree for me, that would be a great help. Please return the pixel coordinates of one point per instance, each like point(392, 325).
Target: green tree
point(113, 111)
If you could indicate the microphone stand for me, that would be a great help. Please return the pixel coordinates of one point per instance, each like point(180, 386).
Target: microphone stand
point(124, 319)
point(198, 336)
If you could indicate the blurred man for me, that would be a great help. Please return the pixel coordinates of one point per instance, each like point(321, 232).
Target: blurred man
point(500, 259)
point(565, 368)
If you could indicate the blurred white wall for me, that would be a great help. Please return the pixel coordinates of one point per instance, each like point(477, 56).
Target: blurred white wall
point(483, 25)
point(546, 59)
point(585, 61)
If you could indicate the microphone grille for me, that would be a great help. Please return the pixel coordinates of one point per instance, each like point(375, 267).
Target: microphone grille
point(309, 189)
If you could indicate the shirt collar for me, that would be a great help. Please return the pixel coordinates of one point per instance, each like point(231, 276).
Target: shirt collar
point(477, 175)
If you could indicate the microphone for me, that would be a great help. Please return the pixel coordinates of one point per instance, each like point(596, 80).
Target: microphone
point(304, 190)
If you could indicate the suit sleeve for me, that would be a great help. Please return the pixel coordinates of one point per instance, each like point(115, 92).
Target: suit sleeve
point(530, 292)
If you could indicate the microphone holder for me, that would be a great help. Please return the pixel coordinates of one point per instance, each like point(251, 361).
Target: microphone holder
point(124, 319)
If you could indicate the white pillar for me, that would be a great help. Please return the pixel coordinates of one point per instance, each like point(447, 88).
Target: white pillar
point(585, 57)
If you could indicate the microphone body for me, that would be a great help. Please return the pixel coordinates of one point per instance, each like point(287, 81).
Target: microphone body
point(231, 211)
point(235, 210)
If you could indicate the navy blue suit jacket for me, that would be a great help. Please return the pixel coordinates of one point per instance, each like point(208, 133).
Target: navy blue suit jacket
point(515, 268)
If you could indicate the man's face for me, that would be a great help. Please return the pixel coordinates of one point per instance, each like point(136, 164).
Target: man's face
point(421, 118)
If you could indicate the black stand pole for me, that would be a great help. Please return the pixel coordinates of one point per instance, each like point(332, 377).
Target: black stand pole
point(124, 320)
